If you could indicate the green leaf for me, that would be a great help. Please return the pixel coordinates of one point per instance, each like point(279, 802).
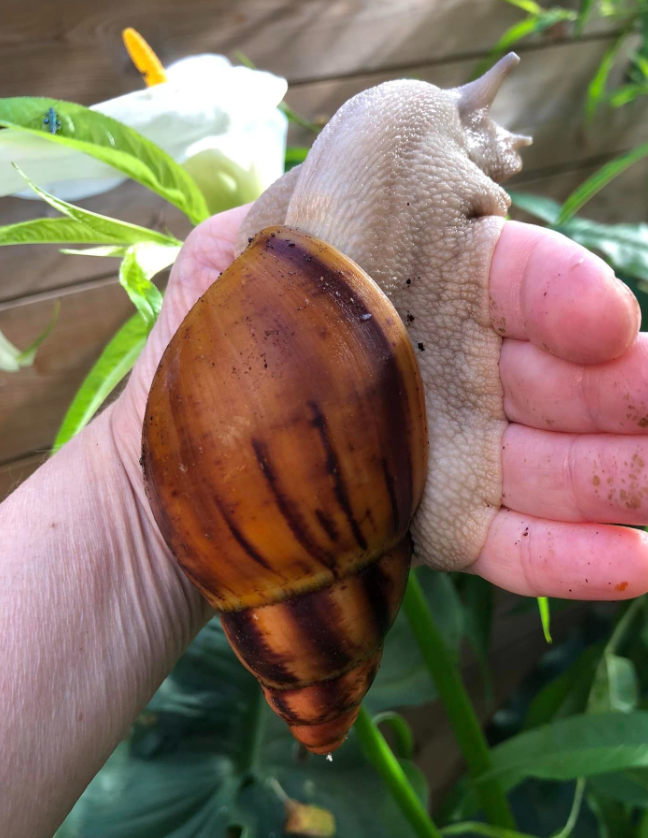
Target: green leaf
point(114, 363)
point(143, 294)
point(641, 63)
point(567, 694)
point(13, 359)
point(615, 687)
point(642, 829)
point(613, 818)
point(537, 205)
point(113, 143)
point(545, 617)
point(478, 621)
point(528, 6)
point(294, 156)
point(598, 180)
point(52, 231)
point(107, 230)
point(532, 25)
point(488, 831)
point(580, 746)
point(624, 246)
point(584, 12)
point(113, 251)
point(484, 830)
point(629, 787)
point(206, 755)
point(597, 86)
point(141, 263)
point(627, 93)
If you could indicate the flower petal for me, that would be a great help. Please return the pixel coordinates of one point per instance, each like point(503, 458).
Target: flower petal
point(204, 100)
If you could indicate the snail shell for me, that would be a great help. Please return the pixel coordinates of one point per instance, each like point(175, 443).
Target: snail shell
point(284, 454)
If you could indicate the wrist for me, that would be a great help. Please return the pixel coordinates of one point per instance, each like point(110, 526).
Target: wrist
point(98, 614)
point(187, 607)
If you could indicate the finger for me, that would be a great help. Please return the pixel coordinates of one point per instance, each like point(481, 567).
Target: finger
point(569, 477)
point(208, 251)
point(537, 557)
point(543, 391)
point(549, 290)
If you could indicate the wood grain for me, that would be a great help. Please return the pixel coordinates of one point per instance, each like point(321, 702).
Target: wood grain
point(29, 269)
point(33, 401)
point(15, 473)
point(523, 104)
point(72, 49)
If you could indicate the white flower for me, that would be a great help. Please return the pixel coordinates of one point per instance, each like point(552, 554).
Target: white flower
point(220, 121)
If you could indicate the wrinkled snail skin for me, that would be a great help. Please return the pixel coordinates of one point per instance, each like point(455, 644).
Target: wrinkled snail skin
point(284, 454)
point(404, 180)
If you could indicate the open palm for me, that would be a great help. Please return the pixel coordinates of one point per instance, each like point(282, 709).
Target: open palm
point(572, 368)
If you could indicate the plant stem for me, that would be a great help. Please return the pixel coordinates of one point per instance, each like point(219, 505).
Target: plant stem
point(478, 828)
point(619, 632)
point(251, 755)
point(458, 707)
point(488, 831)
point(568, 828)
point(379, 754)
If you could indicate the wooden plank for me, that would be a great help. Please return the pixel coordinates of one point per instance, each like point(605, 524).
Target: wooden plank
point(33, 401)
point(28, 269)
point(72, 49)
point(15, 473)
point(543, 97)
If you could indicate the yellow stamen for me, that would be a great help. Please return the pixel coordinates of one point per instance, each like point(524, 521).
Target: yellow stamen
point(144, 58)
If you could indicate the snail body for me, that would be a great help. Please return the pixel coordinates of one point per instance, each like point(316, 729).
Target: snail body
point(284, 454)
point(404, 180)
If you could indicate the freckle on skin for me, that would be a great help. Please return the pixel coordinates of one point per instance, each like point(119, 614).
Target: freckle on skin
point(596, 480)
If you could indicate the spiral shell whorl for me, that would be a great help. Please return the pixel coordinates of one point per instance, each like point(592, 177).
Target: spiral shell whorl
point(316, 655)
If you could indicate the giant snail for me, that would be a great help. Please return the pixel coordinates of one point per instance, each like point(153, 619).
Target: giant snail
point(285, 441)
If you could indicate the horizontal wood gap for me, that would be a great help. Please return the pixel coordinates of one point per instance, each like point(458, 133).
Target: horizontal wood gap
point(62, 291)
point(457, 58)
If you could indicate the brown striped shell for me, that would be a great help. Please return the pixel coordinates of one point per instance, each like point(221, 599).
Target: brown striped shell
point(284, 453)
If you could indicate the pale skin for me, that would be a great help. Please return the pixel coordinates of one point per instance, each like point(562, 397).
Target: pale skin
point(97, 612)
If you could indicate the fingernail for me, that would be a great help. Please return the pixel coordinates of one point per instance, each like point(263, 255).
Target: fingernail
point(635, 303)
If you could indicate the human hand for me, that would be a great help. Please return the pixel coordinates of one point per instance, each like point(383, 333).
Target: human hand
point(575, 450)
